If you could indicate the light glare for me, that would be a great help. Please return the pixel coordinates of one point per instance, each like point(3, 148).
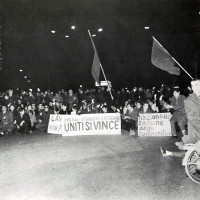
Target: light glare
point(73, 27)
point(53, 31)
point(100, 29)
point(146, 27)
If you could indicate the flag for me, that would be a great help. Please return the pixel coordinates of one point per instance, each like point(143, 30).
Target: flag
point(162, 59)
point(96, 64)
point(96, 67)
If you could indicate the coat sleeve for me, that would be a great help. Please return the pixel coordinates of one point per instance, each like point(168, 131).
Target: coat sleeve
point(191, 110)
point(193, 115)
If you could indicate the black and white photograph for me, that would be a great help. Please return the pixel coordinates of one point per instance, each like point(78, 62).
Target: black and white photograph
point(99, 99)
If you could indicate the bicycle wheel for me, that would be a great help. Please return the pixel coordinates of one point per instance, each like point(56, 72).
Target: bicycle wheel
point(192, 166)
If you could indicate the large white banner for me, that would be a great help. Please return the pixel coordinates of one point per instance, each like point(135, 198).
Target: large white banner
point(154, 124)
point(88, 124)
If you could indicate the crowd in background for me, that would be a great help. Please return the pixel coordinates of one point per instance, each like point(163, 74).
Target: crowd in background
point(23, 112)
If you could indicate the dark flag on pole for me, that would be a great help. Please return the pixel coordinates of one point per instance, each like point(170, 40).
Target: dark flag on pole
point(162, 59)
point(96, 63)
point(96, 67)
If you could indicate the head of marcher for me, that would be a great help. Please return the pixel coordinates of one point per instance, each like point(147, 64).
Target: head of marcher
point(21, 111)
point(196, 86)
point(70, 92)
point(176, 92)
point(46, 108)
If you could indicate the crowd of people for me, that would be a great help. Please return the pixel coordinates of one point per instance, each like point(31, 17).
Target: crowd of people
point(23, 112)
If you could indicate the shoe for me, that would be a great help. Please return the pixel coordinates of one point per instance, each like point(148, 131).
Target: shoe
point(174, 137)
point(178, 144)
point(2, 134)
point(132, 133)
point(163, 151)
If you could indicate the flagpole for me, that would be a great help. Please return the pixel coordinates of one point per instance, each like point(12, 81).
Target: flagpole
point(101, 67)
point(174, 59)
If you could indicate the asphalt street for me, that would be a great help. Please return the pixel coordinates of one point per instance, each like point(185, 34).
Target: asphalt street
point(44, 166)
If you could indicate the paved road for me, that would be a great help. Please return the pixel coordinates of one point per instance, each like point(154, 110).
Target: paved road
point(43, 166)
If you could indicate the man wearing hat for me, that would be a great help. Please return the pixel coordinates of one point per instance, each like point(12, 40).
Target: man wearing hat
point(23, 122)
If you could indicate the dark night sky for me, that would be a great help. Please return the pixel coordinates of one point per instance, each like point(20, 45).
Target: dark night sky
point(124, 46)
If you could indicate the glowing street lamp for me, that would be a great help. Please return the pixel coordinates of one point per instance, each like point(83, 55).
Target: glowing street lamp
point(21, 70)
point(66, 36)
point(93, 35)
point(25, 76)
point(53, 31)
point(100, 29)
point(73, 27)
point(146, 27)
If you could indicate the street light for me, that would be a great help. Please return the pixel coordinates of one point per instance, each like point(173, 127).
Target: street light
point(21, 70)
point(66, 36)
point(53, 31)
point(73, 27)
point(100, 29)
point(93, 35)
point(25, 76)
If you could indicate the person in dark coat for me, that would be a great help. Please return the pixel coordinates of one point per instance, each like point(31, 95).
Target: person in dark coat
point(23, 123)
point(43, 119)
point(179, 115)
point(6, 122)
point(14, 112)
point(63, 110)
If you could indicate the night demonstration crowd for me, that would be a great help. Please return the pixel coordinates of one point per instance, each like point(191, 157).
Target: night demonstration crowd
point(23, 112)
